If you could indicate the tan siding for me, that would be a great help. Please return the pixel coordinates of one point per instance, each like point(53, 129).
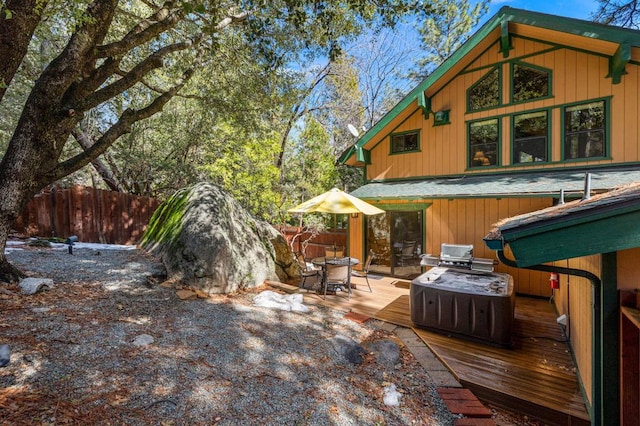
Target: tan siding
point(628, 271)
point(576, 77)
point(356, 237)
point(574, 299)
point(631, 126)
point(466, 222)
point(564, 38)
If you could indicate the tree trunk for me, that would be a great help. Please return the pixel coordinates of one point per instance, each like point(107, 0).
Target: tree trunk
point(8, 273)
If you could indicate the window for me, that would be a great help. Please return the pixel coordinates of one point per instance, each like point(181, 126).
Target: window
point(486, 92)
point(483, 143)
point(404, 142)
point(529, 83)
point(530, 133)
point(584, 130)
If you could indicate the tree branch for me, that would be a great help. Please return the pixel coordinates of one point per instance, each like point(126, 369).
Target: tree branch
point(129, 79)
point(123, 126)
point(16, 32)
point(108, 178)
point(162, 20)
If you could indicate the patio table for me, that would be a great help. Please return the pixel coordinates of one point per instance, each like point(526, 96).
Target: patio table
point(322, 262)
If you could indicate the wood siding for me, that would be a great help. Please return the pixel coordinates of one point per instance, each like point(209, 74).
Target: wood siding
point(574, 299)
point(576, 76)
point(465, 221)
point(628, 271)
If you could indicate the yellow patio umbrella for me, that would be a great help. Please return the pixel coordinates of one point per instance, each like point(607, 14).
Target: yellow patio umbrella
point(337, 202)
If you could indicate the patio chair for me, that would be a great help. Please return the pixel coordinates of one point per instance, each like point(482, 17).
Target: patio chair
point(306, 273)
point(334, 251)
point(365, 270)
point(337, 277)
point(407, 252)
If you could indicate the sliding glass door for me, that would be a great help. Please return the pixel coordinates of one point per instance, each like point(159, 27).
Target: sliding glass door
point(396, 238)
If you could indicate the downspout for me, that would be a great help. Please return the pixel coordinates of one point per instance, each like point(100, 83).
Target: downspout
point(596, 364)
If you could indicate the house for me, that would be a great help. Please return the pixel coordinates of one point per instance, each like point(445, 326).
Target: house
point(593, 245)
point(513, 118)
point(532, 111)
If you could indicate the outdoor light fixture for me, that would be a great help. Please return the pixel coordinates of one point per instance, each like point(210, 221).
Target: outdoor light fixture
point(441, 117)
point(354, 215)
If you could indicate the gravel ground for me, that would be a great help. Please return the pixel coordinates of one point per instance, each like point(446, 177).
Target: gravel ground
point(76, 360)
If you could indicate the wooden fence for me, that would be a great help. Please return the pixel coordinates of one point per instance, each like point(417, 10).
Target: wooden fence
point(316, 244)
point(93, 215)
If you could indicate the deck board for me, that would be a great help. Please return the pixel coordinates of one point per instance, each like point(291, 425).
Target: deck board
point(536, 374)
point(535, 377)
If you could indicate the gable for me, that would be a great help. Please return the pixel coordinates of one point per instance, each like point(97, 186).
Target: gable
point(496, 42)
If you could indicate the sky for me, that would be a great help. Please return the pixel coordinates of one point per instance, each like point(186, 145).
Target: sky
point(580, 9)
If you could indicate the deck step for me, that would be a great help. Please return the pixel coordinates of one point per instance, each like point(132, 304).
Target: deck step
point(463, 401)
point(468, 421)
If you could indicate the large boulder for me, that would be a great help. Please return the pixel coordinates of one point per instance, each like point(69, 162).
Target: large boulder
point(206, 239)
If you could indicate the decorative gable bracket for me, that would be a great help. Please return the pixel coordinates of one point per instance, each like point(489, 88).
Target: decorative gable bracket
point(505, 39)
point(424, 103)
point(618, 62)
point(363, 155)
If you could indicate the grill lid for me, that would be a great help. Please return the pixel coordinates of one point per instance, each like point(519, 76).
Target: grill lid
point(459, 256)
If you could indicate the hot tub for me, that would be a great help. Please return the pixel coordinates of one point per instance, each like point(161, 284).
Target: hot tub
point(476, 305)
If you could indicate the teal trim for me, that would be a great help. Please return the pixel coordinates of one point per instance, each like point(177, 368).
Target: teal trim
point(408, 207)
point(518, 58)
point(363, 155)
point(494, 244)
point(548, 136)
point(496, 68)
point(607, 130)
point(609, 341)
point(505, 14)
point(548, 72)
point(441, 118)
point(508, 170)
point(424, 103)
point(505, 39)
point(618, 62)
point(498, 143)
point(408, 132)
point(597, 233)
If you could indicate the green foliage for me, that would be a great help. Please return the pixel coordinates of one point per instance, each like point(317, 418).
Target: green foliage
point(246, 170)
point(444, 31)
point(233, 118)
point(310, 168)
point(166, 222)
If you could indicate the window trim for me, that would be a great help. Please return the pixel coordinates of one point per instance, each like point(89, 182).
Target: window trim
point(407, 132)
point(549, 72)
point(500, 94)
point(498, 119)
point(549, 145)
point(607, 130)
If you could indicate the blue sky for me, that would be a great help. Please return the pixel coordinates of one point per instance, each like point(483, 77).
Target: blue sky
point(581, 9)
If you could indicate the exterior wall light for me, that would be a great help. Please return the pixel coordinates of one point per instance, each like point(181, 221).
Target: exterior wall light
point(441, 117)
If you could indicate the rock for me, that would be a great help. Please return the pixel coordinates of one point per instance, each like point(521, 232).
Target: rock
point(387, 352)
point(33, 285)
point(186, 294)
point(391, 396)
point(5, 355)
point(208, 241)
point(349, 349)
point(143, 340)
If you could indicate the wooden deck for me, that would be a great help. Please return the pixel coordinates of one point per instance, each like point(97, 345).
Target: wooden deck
point(536, 377)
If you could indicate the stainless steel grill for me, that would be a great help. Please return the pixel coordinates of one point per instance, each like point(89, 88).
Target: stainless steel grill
point(458, 256)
